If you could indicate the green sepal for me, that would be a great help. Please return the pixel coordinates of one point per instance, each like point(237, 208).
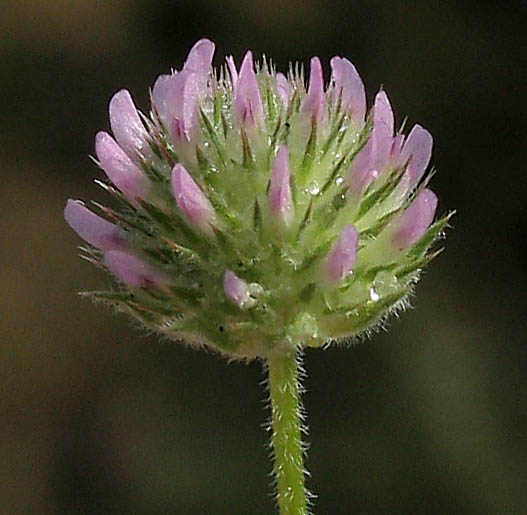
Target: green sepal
point(376, 229)
point(345, 322)
point(309, 154)
point(369, 275)
point(415, 266)
point(174, 227)
point(379, 195)
point(432, 234)
point(213, 135)
point(248, 159)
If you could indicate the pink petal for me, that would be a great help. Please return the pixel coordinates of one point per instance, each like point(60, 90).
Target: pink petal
point(199, 62)
point(315, 103)
point(362, 172)
point(414, 222)
point(120, 169)
point(164, 94)
point(279, 196)
point(176, 99)
point(382, 131)
point(248, 106)
point(342, 257)
point(236, 289)
point(382, 111)
point(191, 200)
point(417, 150)
point(348, 84)
point(93, 229)
point(368, 164)
point(186, 123)
point(134, 271)
point(284, 89)
point(127, 127)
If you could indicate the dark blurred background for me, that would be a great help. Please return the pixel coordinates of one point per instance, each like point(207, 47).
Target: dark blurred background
point(98, 417)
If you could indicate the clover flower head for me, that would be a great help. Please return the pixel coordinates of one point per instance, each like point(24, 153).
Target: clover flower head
point(258, 211)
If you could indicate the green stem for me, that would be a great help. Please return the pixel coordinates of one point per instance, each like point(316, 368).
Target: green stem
point(287, 433)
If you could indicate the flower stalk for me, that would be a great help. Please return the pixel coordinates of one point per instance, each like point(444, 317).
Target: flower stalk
point(286, 413)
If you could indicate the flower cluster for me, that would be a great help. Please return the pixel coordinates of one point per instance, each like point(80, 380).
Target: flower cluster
point(256, 212)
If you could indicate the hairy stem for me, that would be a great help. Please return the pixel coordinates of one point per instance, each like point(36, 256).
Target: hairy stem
point(287, 433)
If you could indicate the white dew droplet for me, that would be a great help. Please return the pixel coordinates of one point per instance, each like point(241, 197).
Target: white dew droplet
point(314, 189)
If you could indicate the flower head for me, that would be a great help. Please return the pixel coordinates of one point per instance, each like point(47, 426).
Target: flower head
point(260, 211)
